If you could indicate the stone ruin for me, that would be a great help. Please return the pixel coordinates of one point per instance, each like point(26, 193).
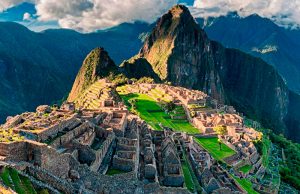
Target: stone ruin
point(71, 151)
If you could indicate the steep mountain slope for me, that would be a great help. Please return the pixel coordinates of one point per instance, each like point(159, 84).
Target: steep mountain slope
point(96, 66)
point(138, 68)
point(293, 118)
point(180, 52)
point(39, 68)
point(260, 37)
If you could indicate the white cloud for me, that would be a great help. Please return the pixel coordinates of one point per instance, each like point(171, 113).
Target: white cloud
point(283, 12)
point(90, 15)
point(5, 4)
point(27, 16)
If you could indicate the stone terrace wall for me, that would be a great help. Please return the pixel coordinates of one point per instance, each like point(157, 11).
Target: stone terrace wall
point(69, 136)
point(50, 179)
point(14, 151)
point(39, 184)
point(100, 154)
point(49, 159)
point(51, 132)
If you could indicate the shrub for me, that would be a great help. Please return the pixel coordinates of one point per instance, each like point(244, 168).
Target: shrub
point(146, 80)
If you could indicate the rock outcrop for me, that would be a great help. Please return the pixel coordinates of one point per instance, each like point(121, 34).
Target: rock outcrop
point(95, 66)
point(180, 52)
point(138, 68)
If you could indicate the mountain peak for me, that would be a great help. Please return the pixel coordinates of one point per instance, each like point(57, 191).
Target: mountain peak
point(173, 29)
point(179, 15)
point(96, 65)
point(179, 10)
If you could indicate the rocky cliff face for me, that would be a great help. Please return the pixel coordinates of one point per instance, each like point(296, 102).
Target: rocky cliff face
point(96, 65)
point(293, 118)
point(180, 52)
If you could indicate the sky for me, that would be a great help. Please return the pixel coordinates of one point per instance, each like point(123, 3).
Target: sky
point(91, 15)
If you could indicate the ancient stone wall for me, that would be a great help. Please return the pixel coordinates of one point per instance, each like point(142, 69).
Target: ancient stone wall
point(49, 159)
point(14, 151)
point(123, 164)
point(173, 181)
point(100, 154)
point(99, 118)
point(69, 136)
point(39, 184)
point(50, 179)
point(51, 132)
point(254, 157)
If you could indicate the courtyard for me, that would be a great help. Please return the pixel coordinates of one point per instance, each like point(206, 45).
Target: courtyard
point(213, 147)
point(148, 109)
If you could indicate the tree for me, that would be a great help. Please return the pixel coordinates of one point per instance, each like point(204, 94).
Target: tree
point(220, 143)
point(221, 130)
point(169, 106)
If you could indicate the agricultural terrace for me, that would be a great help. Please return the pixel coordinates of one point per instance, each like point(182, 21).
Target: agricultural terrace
point(246, 168)
point(245, 184)
point(213, 147)
point(112, 171)
point(11, 178)
point(150, 111)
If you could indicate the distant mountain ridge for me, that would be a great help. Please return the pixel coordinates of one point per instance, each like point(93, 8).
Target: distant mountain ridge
point(260, 37)
point(39, 68)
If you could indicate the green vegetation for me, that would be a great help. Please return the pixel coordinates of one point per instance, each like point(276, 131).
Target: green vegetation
point(26, 182)
point(112, 171)
point(6, 177)
point(195, 106)
point(9, 136)
point(43, 191)
point(20, 184)
point(146, 80)
point(153, 114)
point(246, 168)
point(188, 177)
point(245, 184)
point(168, 106)
point(265, 150)
point(290, 168)
point(118, 80)
point(212, 146)
point(263, 144)
point(220, 130)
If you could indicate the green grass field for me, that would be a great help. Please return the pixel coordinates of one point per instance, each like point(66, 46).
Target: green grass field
point(245, 184)
point(188, 177)
point(111, 172)
point(152, 113)
point(212, 146)
point(245, 168)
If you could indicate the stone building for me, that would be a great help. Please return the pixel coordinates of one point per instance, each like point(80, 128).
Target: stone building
point(172, 171)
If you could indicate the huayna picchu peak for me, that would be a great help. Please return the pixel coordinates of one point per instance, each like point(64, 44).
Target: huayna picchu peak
point(184, 115)
point(181, 53)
